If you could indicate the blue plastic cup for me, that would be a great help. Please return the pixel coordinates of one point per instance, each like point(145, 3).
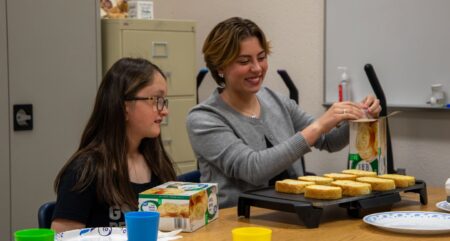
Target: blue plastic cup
point(142, 226)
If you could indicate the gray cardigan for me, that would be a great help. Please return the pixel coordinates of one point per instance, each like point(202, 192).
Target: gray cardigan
point(231, 148)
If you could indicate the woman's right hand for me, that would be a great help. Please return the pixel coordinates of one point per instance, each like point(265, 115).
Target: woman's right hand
point(338, 112)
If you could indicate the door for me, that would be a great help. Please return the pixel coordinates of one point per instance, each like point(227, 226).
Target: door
point(53, 63)
point(5, 205)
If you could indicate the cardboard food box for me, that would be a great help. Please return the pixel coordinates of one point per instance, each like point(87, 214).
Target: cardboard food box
point(141, 9)
point(182, 205)
point(368, 145)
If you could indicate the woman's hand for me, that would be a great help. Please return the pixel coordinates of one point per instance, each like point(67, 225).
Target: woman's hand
point(342, 111)
point(338, 112)
point(371, 105)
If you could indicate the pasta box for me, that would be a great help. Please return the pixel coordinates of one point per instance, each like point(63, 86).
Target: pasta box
point(368, 144)
point(182, 205)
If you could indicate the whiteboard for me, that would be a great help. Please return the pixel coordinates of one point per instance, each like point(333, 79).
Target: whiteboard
point(406, 41)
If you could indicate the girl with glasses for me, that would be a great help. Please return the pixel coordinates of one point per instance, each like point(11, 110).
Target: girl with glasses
point(120, 154)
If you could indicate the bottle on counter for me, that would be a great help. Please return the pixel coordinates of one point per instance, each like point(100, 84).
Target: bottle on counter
point(344, 85)
point(438, 98)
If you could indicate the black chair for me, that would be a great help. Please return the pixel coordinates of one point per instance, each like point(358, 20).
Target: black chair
point(45, 214)
point(192, 176)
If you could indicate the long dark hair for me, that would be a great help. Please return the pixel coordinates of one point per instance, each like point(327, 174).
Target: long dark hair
point(101, 157)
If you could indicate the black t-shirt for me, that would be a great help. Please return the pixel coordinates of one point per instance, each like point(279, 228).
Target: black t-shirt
point(85, 207)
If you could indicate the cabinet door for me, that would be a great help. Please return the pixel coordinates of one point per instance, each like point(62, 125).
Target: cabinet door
point(5, 203)
point(52, 62)
point(173, 52)
point(174, 134)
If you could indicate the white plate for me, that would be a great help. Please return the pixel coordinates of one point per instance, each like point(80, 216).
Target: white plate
point(94, 234)
point(411, 222)
point(107, 234)
point(444, 205)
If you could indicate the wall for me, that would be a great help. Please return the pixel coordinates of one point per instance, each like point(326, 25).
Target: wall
point(407, 62)
point(421, 139)
point(5, 203)
point(297, 38)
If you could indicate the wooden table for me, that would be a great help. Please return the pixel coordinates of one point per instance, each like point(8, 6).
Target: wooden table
point(335, 223)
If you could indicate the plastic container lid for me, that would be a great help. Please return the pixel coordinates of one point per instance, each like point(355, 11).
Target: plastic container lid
point(252, 234)
point(35, 234)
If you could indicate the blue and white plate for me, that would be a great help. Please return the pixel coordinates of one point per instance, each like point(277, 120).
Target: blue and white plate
point(108, 234)
point(415, 222)
point(444, 205)
point(93, 234)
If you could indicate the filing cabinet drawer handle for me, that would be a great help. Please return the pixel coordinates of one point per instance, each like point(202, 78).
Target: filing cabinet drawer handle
point(167, 141)
point(160, 49)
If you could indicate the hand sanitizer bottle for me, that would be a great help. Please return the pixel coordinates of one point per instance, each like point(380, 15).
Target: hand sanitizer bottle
point(344, 85)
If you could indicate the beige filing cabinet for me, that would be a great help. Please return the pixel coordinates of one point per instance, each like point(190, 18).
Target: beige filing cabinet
point(169, 44)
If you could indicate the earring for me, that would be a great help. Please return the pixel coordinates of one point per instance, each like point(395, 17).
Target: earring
point(221, 75)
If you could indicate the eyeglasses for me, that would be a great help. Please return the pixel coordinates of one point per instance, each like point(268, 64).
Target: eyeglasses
point(161, 102)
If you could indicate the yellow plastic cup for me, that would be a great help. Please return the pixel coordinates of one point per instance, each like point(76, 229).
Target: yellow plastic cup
point(252, 234)
point(35, 234)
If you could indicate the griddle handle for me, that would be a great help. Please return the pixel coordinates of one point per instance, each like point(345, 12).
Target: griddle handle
point(378, 90)
point(373, 79)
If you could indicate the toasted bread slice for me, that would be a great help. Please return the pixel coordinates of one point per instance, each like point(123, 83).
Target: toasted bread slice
point(317, 179)
point(378, 184)
point(341, 176)
point(291, 186)
point(352, 188)
point(360, 173)
point(400, 180)
point(323, 192)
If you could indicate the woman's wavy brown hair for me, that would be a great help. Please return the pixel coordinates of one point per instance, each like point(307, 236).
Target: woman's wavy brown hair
point(101, 157)
point(222, 46)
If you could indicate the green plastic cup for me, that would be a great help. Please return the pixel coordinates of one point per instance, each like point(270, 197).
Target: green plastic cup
point(35, 234)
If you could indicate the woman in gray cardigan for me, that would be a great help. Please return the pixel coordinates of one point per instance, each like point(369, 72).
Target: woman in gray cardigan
point(244, 134)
